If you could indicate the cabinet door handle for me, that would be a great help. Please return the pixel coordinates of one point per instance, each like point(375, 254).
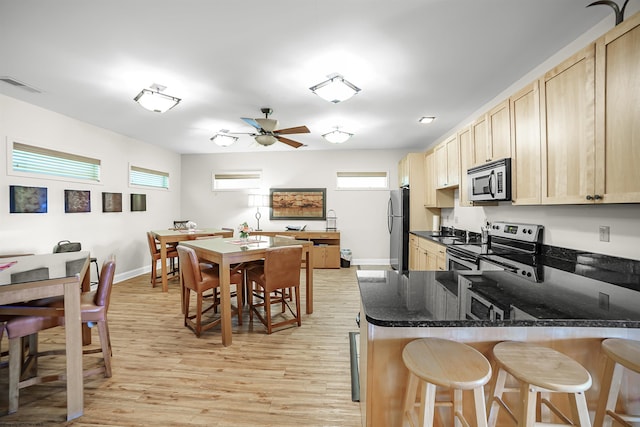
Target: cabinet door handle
point(589, 197)
point(597, 197)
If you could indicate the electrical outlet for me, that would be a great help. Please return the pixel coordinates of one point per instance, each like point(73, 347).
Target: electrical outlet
point(604, 233)
point(603, 301)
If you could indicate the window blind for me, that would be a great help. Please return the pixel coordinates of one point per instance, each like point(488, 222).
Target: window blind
point(32, 159)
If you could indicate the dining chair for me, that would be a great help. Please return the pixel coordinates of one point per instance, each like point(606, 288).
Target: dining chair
point(93, 308)
point(199, 280)
point(154, 249)
point(68, 246)
point(281, 271)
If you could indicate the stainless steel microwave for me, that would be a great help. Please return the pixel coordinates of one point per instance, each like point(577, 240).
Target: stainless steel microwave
point(490, 182)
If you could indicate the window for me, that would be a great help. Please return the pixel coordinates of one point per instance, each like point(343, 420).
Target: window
point(362, 180)
point(31, 159)
point(242, 180)
point(148, 177)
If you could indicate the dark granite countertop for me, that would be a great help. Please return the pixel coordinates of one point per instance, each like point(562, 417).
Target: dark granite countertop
point(563, 299)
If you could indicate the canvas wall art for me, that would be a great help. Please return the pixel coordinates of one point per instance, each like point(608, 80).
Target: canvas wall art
point(111, 202)
point(298, 203)
point(76, 201)
point(27, 199)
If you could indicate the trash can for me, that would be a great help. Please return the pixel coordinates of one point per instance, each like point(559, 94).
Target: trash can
point(345, 258)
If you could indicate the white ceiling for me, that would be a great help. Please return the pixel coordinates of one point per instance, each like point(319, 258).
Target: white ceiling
point(228, 58)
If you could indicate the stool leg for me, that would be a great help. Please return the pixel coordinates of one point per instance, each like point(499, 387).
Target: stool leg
point(495, 396)
point(481, 413)
point(410, 398)
point(427, 404)
point(528, 395)
point(611, 380)
point(457, 408)
point(579, 409)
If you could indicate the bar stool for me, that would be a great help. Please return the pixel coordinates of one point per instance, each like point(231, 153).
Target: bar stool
point(539, 370)
point(437, 362)
point(621, 353)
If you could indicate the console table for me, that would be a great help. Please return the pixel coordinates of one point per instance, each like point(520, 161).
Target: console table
point(326, 245)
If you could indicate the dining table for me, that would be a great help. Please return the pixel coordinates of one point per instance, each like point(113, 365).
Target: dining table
point(173, 236)
point(32, 277)
point(227, 251)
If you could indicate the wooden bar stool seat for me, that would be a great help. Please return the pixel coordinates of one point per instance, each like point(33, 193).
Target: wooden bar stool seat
point(538, 370)
point(621, 354)
point(436, 362)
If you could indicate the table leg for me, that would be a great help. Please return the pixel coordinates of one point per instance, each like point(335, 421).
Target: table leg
point(73, 338)
point(225, 302)
point(163, 266)
point(309, 280)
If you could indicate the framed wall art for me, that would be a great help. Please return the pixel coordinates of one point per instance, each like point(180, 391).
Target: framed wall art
point(27, 199)
point(76, 201)
point(138, 202)
point(111, 202)
point(298, 203)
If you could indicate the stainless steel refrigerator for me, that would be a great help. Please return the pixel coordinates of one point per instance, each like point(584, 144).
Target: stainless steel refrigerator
point(398, 225)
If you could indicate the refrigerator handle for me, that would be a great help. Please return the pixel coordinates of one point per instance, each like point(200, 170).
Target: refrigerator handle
point(389, 215)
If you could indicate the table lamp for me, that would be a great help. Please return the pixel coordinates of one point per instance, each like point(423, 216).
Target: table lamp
point(257, 201)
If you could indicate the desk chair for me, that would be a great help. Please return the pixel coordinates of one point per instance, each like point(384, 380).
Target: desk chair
point(199, 280)
point(280, 271)
point(68, 246)
point(154, 250)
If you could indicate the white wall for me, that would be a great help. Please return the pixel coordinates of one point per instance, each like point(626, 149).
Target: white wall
point(121, 234)
point(361, 215)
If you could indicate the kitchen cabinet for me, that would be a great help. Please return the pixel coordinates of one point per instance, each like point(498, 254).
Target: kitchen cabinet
point(525, 145)
point(465, 143)
point(426, 255)
point(492, 135)
point(568, 137)
point(447, 163)
point(414, 252)
point(617, 138)
point(414, 176)
point(435, 198)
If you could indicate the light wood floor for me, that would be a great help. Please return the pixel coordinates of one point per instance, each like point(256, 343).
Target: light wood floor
point(164, 376)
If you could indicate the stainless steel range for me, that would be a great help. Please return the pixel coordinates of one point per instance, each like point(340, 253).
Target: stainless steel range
point(512, 247)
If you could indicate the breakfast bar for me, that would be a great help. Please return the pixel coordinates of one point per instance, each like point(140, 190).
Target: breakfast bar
point(571, 310)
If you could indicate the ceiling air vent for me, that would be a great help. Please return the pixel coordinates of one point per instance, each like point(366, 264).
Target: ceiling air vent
point(18, 83)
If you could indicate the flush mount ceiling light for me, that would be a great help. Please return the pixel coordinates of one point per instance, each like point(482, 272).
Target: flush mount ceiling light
point(336, 89)
point(426, 119)
point(153, 100)
point(337, 136)
point(223, 139)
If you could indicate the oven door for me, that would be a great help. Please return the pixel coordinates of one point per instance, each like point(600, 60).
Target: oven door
point(457, 260)
point(478, 308)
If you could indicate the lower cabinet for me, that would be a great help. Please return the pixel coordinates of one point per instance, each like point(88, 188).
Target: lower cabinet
point(326, 256)
point(426, 255)
point(326, 245)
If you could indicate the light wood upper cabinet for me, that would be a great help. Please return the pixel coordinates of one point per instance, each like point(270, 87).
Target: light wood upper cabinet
point(568, 123)
point(480, 140)
point(617, 140)
point(465, 144)
point(414, 169)
point(499, 129)
point(447, 163)
point(492, 135)
point(525, 145)
point(435, 198)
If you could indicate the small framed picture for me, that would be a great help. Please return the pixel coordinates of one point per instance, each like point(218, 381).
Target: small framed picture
point(76, 201)
point(138, 202)
point(111, 202)
point(27, 199)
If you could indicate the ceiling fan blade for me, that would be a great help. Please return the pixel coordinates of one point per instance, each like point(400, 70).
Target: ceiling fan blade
point(288, 131)
point(290, 142)
point(252, 122)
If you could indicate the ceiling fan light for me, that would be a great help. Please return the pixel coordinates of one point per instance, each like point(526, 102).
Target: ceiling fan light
point(426, 119)
point(335, 90)
point(337, 136)
point(223, 140)
point(153, 100)
point(266, 139)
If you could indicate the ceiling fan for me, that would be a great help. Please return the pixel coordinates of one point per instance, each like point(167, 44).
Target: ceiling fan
point(268, 134)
